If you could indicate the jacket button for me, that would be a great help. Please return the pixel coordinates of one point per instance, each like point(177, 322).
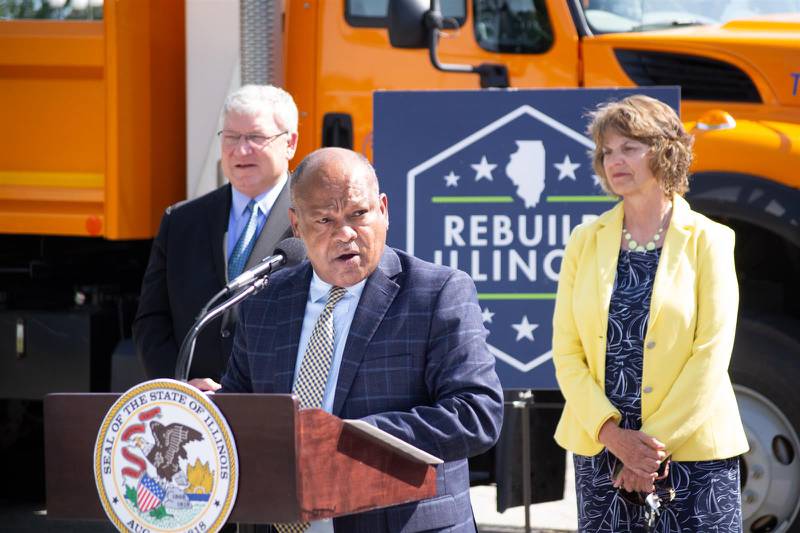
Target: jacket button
point(650, 345)
point(225, 333)
point(648, 389)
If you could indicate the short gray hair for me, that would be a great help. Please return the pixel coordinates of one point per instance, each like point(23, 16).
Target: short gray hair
point(251, 99)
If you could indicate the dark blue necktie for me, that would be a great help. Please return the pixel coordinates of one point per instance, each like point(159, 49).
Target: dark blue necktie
point(245, 244)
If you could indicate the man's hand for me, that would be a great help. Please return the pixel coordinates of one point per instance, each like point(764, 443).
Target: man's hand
point(631, 482)
point(639, 452)
point(207, 385)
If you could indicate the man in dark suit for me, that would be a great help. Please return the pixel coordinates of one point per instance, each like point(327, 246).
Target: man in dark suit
point(407, 348)
point(205, 242)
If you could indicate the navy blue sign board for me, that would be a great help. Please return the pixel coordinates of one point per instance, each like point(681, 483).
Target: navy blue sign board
point(492, 183)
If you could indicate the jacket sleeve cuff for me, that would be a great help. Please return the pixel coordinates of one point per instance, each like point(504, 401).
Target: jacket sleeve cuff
point(615, 416)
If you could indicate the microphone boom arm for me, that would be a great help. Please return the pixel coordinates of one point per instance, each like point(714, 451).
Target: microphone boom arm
point(186, 352)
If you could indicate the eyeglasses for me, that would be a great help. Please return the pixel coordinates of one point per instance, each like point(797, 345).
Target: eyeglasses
point(230, 139)
point(652, 502)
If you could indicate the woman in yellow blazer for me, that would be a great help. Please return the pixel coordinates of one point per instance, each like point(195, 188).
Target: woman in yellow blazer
point(643, 330)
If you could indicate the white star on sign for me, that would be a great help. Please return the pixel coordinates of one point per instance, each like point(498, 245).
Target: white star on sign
point(566, 169)
point(451, 180)
point(524, 329)
point(483, 170)
point(487, 315)
point(596, 180)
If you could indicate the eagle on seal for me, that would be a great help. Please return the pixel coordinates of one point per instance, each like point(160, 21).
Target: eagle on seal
point(169, 447)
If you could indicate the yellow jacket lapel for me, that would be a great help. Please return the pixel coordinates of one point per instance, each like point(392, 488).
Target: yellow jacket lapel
point(677, 235)
point(608, 242)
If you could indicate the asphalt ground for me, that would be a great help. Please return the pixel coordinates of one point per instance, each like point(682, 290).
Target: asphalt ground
point(560, 516)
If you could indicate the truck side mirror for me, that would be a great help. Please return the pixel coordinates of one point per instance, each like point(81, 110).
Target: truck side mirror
point(407, 27)
point(418, 23)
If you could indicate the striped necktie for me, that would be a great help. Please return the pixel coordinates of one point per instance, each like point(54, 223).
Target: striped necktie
point(314, 371)
point(241, 252)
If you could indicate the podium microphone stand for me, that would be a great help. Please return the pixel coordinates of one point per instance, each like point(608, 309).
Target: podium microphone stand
point(186, 352)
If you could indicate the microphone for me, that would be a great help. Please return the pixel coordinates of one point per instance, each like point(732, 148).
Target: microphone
point(288, 252)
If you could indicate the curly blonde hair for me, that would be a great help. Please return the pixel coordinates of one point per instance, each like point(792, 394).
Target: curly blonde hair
point(653, 123)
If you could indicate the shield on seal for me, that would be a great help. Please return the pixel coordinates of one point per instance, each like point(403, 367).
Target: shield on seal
point(165, 460)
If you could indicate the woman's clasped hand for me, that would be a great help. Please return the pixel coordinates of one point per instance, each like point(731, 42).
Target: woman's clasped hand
point(640, 454)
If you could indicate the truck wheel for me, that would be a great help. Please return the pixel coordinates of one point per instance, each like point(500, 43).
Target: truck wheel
point(765, 370)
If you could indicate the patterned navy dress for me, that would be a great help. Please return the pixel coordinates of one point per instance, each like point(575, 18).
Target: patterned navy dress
point(706, 492)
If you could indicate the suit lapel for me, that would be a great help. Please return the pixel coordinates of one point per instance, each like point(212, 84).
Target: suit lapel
point(378, 295)
point(219, 227)
point(274, 228)
point(608, 243)
point(678, 234)
point(292, 302)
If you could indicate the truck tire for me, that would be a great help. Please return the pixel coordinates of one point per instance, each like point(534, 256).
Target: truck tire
point(765, 370)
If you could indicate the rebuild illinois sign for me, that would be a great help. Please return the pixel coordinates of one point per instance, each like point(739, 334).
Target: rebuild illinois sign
point(493, 183)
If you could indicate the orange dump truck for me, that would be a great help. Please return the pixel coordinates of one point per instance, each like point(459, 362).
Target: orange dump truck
point(106, 122)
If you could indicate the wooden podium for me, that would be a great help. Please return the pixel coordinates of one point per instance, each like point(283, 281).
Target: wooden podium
point(295, 465)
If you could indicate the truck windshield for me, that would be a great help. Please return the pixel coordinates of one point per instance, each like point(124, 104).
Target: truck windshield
point(51, 9)
point(607, 16)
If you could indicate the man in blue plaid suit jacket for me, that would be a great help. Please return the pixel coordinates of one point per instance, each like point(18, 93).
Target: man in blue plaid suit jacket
point(415, 362)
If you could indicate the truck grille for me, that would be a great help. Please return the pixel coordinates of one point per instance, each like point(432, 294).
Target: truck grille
point(700, 78)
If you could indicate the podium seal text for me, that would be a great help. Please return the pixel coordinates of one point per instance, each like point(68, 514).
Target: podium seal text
point(165, 460)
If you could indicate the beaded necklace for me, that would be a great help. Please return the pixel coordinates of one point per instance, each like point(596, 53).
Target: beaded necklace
point(634, 246)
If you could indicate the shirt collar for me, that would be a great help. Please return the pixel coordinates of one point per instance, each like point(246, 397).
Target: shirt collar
point(319, 289)
point(265, 200)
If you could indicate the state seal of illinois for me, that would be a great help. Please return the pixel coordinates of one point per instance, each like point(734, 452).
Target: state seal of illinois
point(165, 460)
